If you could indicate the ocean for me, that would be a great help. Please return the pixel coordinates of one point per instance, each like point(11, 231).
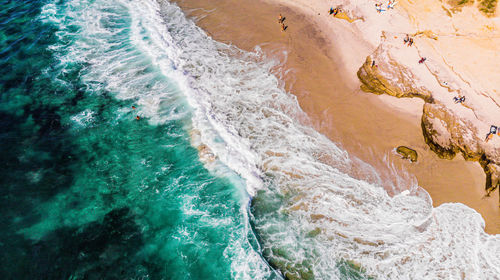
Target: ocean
point(134, 146)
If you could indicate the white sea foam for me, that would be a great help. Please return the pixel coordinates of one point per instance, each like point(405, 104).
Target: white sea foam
point(116, 49)
point(251, 125)
point(84, 118)
point(236, 99)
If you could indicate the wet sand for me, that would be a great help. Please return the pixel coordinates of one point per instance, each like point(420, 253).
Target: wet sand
point(369, 127)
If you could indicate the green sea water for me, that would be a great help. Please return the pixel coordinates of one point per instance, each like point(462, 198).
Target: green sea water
point(90, 192)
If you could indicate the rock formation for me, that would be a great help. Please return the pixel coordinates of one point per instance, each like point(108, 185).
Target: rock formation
point(407, 153)
point(449, 127)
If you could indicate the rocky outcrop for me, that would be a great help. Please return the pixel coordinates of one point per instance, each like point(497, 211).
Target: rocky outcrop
point(488, 7)
point(407, 153)
point(372, 78)
point(448, 128)
point(457, 138)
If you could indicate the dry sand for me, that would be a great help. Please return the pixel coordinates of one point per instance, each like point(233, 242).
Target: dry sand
point(360, 122)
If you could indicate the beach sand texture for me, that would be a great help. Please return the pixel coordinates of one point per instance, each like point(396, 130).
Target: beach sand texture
point(320, 58)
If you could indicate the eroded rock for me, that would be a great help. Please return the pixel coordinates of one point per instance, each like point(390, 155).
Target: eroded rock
point(448, 128)
point(407, 153)
point(381, 74)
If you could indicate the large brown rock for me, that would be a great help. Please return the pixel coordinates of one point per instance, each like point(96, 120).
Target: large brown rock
point(407, 153)
point(446, 130)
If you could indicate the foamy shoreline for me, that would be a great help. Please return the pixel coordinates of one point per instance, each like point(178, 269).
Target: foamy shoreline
point(367, 125)
point(322, 206)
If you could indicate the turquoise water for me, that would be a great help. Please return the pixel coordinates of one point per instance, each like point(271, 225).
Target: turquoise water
point(136, 147)
point(89, 191)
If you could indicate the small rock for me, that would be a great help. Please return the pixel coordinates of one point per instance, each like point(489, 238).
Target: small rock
point(407, 153)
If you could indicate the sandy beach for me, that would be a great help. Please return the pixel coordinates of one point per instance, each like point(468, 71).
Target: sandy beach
point(319, 70)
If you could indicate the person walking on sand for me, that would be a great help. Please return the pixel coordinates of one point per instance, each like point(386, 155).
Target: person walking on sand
point(410, 42)
point(283, 27)
point(406, 39)
point(493, 131)
point(280, 19)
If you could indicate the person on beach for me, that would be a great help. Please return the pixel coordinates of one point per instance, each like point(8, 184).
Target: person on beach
point(333, 11)
point(493, 130)
point(391, 4)
point(378, 7)
point(459, 99)
point(406, 39)
point(283, 27)
point(422, 60)
point(410, 42)
point(280, 19)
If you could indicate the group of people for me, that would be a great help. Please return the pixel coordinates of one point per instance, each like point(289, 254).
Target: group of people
point(390, 5)
point(281, 21)
point(408, 40)
point(334, 12)
point(493, 130)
